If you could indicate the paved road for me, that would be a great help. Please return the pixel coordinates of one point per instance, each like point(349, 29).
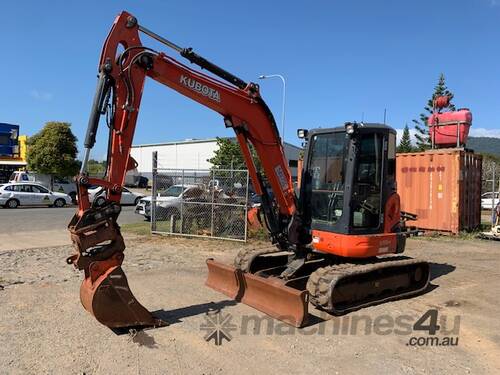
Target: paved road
point(42, 226)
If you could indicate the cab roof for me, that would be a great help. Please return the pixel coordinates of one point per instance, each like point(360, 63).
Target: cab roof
point(362, 125)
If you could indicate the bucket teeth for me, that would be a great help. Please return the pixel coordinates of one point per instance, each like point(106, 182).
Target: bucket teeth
point(268, 295)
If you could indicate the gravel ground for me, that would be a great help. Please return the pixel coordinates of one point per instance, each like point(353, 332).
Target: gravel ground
point(44, 329)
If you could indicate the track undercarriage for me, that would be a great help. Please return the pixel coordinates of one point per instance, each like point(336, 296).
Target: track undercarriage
point(280, 284)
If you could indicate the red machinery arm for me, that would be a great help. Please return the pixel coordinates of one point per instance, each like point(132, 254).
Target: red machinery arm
point(241, 107)
point(125, 63)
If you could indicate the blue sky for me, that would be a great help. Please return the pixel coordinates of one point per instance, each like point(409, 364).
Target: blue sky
point(340, 58)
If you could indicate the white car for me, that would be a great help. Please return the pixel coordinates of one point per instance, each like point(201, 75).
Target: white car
point(16, 194)
point(487, 200)
point(59, 184)
point(169, 201)
point(97, 198)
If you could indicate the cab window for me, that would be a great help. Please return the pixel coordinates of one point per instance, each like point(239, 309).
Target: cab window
point(366, 197)
point(327, 177)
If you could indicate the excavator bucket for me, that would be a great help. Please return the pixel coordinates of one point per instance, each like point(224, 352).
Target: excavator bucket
point(99, 252)
point(269, 295)
point(107, 296)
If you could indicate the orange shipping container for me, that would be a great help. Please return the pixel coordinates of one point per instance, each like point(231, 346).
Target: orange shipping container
point(443, 187)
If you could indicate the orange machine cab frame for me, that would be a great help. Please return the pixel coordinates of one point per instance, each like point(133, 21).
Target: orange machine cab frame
point(349, 178)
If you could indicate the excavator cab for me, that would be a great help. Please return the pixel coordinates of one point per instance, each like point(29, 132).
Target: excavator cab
point(348, 177)
point(349, 185)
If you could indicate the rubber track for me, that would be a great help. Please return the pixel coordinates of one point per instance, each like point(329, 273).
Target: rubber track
point(322, 282)
point(246, 256)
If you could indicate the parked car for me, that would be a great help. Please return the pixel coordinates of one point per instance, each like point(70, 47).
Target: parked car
point(487, 201)
point(13, 195)
point(97, 198)
point(168, 201)
point(59, 184)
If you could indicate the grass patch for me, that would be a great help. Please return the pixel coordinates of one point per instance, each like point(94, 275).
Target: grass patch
point(142, 228)
point(260, 234)
point(463, 235)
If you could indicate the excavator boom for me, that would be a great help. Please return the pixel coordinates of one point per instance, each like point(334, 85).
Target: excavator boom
point(124, 65)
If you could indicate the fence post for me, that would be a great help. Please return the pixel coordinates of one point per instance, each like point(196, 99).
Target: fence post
point(246, 208)
point(494, 167)
point(153, 190)
point(182, 203)
point(212, 205)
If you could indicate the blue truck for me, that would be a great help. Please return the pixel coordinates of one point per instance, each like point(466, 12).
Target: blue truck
point(9, 144)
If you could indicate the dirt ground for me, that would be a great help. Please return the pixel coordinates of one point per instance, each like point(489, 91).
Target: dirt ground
point(44, 329)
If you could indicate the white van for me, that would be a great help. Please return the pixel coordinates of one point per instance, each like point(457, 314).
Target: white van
point(61, 185)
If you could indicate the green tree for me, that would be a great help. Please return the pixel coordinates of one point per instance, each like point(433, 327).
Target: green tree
point(96, 168)
point(423, 140)
point(405, 143)
point(53, 150)
point(229, 156)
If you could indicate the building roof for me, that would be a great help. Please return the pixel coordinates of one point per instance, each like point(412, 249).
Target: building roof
point(194, 140)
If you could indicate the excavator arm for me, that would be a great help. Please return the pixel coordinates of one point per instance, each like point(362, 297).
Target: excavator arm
point(124, 65)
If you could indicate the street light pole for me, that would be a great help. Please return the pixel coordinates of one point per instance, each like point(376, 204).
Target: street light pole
point(283, 103)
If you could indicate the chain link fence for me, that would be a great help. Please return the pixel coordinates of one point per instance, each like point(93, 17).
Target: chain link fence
point(490, 185)
point(200, 203)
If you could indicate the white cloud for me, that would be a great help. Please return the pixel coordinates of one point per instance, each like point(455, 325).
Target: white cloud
point(483, 132)
point(41, 95)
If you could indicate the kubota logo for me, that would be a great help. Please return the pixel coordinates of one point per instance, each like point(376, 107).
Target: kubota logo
point(200, 88)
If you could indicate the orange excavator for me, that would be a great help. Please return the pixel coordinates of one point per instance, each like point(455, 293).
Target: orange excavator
point(332, 238)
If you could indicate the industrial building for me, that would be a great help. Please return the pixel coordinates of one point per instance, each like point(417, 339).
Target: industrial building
point(192, 154)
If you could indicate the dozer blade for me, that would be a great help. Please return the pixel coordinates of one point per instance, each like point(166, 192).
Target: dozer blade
point(108, 297)
point(269, 295)
point(224, 279)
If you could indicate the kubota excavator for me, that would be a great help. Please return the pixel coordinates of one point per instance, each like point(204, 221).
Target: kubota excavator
point(328, 236)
